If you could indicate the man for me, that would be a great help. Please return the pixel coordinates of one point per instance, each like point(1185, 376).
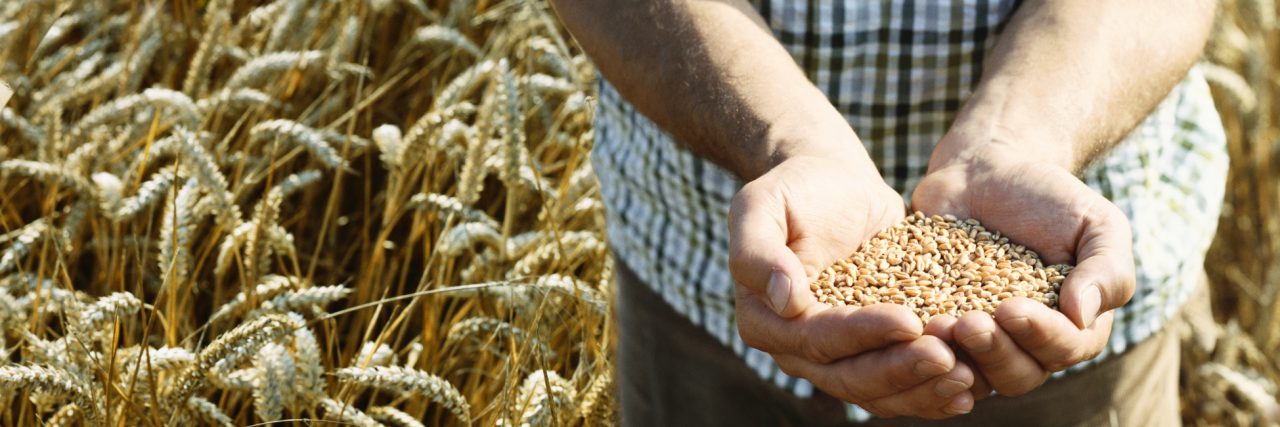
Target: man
point(831, 112)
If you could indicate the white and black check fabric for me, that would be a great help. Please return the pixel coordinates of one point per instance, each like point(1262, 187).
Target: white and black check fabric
point(899, 71)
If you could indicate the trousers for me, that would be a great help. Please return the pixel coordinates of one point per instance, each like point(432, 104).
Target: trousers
point(673, 373)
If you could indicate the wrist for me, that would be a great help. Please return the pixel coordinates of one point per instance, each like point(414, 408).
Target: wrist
point(823, 134)
point(986, 142)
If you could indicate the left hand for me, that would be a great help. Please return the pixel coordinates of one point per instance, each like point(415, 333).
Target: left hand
point(1019, 191)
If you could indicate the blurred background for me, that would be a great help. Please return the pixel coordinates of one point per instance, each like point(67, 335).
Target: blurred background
point(233, 162)
point(1230, 366)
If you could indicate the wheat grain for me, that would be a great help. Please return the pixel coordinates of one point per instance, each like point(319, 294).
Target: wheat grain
point(28, 131)
point(528, 296)
point(122, 107)
point(436, 34)
point(241, 380)
point(161, 359)
point(271, 286)
point(54, 381)
point(141, 58)
point(415, 352)
point(418, 140)
point(208, 412)
point(21, 245)
point(346, 43)
point(398, 379)
point(296, 300)
point(106, 149)
point(462, 85)
point(395, 417)
point(481, 330)
point(50, 174)
point(258, 71)
point(939, 265)
point(189, 147)
point(345, 413)
point(374, 354)
point(274, 383)
point(549, 56)
point(466, 235)
point(241, 98)
point(558, 255)
point(109, 308)
point(306, 353)
point(217, 19)
point(286, 25)
point(176, 230)
point(87, 58)
point(546, 399)
point(595, 406)
point(150, 191)
point(109, 189)
point(66, 416)
point(512, 128)
point(444, 205)
point(60, 28)
point(300, 134)
point(233, 348)
point(542, 84)
point(390, 145)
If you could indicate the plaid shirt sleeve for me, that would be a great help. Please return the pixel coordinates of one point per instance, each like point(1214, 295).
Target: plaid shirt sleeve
point(899, 71)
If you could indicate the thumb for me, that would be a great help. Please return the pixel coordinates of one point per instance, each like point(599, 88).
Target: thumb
point(759, 257)
point(1103, 278)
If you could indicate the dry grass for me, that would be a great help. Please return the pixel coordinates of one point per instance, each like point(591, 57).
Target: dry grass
point(383, 212)
point(239, 212)
point(1230, 373)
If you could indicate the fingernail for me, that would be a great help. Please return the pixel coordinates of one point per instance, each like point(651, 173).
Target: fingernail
point(779, 291)
point(980, 343)
point(929, 369)
point(1017, 325)
point(1090, 302)
point(948, 387)
point(959, 406)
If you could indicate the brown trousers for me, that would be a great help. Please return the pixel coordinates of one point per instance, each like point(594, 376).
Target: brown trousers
point(673, 373)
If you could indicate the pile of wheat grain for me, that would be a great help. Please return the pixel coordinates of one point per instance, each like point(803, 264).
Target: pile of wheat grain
point(247, 212)
point(939, 265)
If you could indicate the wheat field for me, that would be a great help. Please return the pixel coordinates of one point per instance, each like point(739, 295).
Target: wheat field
point(233, 213)
point(230, 212)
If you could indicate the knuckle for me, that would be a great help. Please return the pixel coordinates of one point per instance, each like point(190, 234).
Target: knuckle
point(901, 381)
point(788, 368)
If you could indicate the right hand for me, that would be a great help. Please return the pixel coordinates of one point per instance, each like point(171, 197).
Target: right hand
point(788, 225)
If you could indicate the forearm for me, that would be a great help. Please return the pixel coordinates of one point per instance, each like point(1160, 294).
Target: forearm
point(712, 75)
point(1069, 79)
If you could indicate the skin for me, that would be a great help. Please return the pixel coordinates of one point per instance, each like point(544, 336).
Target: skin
point(1011, 157)
point(711, 74)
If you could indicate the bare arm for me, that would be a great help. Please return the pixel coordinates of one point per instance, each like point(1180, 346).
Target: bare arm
point(1067, 80)
point(711, 74)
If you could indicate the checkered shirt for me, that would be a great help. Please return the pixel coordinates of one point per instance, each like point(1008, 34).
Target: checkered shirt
point(899, 71)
